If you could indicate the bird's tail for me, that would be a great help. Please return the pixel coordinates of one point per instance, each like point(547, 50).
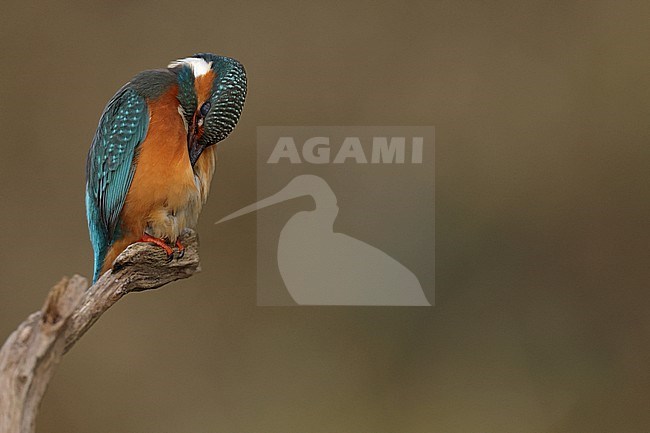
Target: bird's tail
point(99, 263)
point(97, 239)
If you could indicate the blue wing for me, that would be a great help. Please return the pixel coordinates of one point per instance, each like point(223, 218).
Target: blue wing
point(110, 167)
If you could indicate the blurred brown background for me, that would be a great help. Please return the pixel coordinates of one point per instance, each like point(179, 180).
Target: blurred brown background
point(541, 112)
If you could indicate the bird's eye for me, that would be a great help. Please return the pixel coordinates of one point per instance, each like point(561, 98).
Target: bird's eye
point(205, 108)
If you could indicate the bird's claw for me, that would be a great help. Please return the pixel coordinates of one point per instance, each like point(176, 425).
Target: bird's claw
point(181, 249)
point(161, 243)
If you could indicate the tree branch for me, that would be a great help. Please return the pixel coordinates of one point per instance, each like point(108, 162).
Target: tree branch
point(31, 353)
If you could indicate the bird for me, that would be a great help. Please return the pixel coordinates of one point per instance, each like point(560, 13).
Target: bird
point(153, 155)
point(322, 267)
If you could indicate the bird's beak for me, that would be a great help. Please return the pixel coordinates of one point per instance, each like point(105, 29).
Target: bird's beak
point(193, 134)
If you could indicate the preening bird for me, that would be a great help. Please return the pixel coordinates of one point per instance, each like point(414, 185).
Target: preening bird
point(152, 158)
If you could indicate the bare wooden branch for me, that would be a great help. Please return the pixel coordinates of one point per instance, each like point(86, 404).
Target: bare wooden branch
point(31, 353)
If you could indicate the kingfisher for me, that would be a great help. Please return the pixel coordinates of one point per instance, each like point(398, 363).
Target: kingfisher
point(152, 158)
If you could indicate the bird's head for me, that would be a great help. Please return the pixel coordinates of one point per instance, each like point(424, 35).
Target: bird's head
point(211, 94)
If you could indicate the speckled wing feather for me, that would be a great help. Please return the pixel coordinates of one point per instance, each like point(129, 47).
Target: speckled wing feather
point(110, 166)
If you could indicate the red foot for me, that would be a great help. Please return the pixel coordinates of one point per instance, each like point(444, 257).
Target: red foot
point(161, 243)
point(181, 249)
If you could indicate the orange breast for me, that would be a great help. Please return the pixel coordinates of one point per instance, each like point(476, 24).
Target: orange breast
point(163, 173)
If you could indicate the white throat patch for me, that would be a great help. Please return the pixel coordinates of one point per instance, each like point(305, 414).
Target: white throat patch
point(198, 65)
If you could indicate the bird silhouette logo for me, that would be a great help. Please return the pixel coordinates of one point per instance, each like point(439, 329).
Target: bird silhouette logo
point(323, 267)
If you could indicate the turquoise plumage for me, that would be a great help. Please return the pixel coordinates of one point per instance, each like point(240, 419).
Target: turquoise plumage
point(110, 167)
